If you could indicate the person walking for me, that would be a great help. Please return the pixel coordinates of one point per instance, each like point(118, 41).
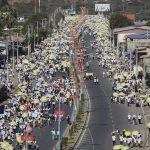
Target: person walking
point(95, 80)
point(134, 119)
point(129, 118)
point(68, 120)
point(113, 139)
point(53, 134)
point(87, 65)
point(121, 139)
point(103, 74)
point(139, 119)
point(128, 102)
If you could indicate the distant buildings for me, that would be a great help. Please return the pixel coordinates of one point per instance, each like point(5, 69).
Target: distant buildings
point(134, 39)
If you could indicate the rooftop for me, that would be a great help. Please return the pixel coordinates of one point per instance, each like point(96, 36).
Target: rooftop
point(116, 30)
point(143, 35)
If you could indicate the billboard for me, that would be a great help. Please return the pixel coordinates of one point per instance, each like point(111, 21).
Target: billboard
point(102, 7)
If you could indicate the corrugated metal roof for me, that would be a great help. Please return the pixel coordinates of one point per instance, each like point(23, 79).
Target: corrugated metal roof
point(143, 35)
point(116, 30)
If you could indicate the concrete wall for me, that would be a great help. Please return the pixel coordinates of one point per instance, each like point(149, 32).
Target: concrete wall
point(131, 45)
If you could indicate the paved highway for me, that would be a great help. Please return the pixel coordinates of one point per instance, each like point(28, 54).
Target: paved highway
point(104, 116)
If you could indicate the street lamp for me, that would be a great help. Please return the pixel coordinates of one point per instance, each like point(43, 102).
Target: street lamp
point(59, 139)
point(7, 60)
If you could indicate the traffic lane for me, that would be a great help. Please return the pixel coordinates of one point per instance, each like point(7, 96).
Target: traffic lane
point(119, 111)
point(44, 135)
point(100, 123)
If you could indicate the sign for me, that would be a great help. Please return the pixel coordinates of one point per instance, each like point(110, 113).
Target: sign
point(102, 7)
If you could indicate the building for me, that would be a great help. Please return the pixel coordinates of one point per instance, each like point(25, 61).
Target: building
point(120, 34)
point(130, 16)
point(138, 40)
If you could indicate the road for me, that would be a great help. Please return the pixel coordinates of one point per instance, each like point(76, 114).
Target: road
point(44, 135)
point(104, 116)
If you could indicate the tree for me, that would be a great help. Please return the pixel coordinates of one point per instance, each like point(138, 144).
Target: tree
point(3, 3)
point(10, 17)
point(1, 27)
point(117, 21)
point(148, 23)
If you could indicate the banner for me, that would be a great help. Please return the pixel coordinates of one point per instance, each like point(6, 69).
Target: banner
point(102, 7)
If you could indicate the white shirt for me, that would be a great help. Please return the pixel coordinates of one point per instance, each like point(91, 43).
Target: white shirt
point(113, 138)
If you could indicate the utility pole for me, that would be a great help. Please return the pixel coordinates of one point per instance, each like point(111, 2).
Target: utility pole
point(7, 60)
point(35, 6)
point(49, 20)
point(59, 138)
point(136, 69)
point(37, 31)
point(39, 6)
point(45, 24)
point(17, 48)
point(28, 41)
point(144, 75)
point(147, 37)
point(13, 54)
point(34, 39)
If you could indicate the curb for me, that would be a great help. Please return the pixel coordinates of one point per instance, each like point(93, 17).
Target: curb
point(85, 122)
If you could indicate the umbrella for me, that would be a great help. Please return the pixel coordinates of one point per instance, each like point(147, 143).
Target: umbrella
point(4, 145)
point(142, 96)
point(121, 94)
point(125, 148)
point(21, 93)
point(148, 125)
point(36, 101)
point(148, 100)
point(45, 84)
point(52, 56)
point(35, 72)
point(24, 148)
point(25, 114)
point(130, 95)
point(135, 133)
point(49, 95)
point(13, 123)
point(25, 61)
point(115, 94)
point(19, 65)
point(10, 147)
point(43, 99)
point(24, 83)
point(123, 84)
point(22, 107)
point(113, 69)
point(8, 110)
point(127, 133)
point(117, 147)
point(18, 139)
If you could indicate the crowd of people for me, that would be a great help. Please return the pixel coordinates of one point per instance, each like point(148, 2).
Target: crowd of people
point(44, 82)
point(127, 83)
point(127, 139)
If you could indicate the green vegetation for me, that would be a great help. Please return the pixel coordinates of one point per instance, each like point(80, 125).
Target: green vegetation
point(9, 16)
point(117, 21)
point(148, 23)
